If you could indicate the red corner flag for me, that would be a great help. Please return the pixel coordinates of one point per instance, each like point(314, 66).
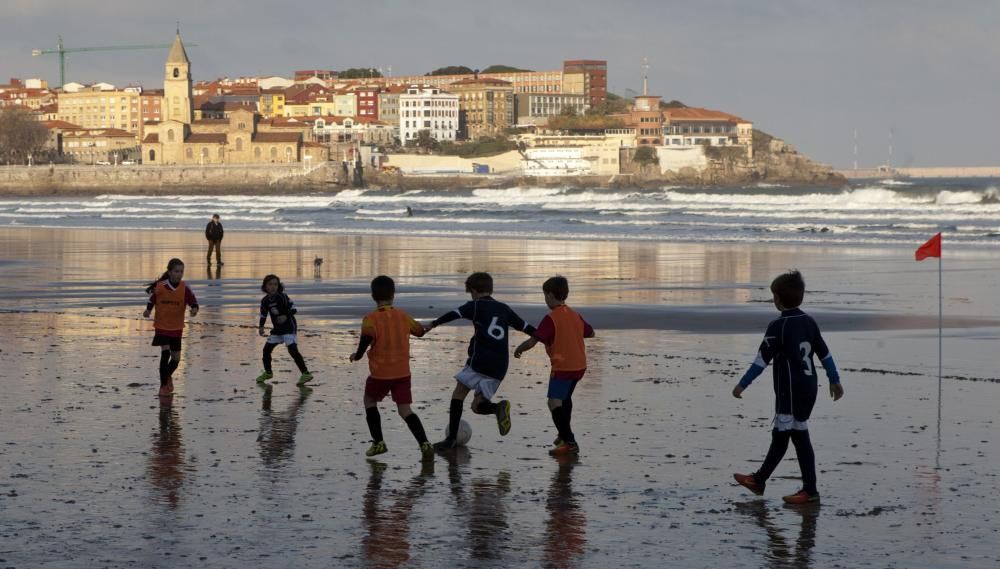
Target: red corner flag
point(930, 249)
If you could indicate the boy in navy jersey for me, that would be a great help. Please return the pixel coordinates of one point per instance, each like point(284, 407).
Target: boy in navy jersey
point(791, 341)
point(488, 355)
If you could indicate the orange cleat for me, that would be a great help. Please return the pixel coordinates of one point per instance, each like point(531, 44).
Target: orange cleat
point(565, 449)
point(801, 498)
point(750, 483)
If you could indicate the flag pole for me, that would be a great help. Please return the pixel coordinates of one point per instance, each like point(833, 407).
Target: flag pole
point(940, 333)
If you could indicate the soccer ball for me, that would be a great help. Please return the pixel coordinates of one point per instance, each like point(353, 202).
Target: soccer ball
point(464, 433)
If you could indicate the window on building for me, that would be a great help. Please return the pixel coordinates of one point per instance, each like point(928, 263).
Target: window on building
point(189, 153)
point(256, 153)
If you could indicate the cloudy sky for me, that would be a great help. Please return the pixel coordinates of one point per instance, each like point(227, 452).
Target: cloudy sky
point(811, 72)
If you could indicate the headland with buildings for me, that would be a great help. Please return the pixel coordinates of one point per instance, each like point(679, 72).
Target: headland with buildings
point(500, 127)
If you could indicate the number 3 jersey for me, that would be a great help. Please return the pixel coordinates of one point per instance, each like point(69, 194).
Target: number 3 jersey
point(488, 349)
point(790, 343)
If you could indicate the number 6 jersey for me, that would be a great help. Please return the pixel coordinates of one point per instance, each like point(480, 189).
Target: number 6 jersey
point(488, 348)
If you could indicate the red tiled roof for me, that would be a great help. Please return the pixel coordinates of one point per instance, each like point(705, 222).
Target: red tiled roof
point(205, 138)
point(99, 132)
point(699, 114)
point(482, 81)
point(210, 121)
point(151, 139)
point(61, 125)
point(313, 145)
point(277, 137)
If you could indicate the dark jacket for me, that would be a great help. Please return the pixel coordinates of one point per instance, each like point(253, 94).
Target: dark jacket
point(213, 231)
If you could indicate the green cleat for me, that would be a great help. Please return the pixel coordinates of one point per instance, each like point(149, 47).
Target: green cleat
point(376, 449)
point(426, 452)
point(304, 378)
point(503, 417)
point(266, 375)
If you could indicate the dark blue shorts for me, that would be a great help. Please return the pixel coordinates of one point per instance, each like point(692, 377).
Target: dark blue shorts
point(561, 389)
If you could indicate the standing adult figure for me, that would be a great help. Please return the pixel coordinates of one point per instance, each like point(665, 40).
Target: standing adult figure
point(214, 232)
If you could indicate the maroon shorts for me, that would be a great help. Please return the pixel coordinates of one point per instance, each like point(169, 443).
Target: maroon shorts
point(377, 389)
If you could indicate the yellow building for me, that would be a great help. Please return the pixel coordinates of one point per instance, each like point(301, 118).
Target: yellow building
point(485, 106)
point(272, 103)
point(93, 108)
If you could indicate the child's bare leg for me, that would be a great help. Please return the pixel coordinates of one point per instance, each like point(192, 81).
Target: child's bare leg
point(413, 422)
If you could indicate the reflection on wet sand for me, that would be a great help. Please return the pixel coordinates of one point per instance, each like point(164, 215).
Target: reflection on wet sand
point(166, 461)
point(780, 553)
point(482, 507)
point(213, 275)
point(566, 527)
point(276, 438)
point(386, 543)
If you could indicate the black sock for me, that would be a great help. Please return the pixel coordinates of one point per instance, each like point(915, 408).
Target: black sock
point(486, 408)
point(174, 362)
point(561, 420)
point(779, 444)
point(807, 460)
point(268, 348)
point(293, 349)
point(164, 366)
point(568, 409)
point(454, 416)
point(374, 423)
point(416, 427)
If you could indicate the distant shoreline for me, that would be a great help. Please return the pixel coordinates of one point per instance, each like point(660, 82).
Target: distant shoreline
point(931, 173)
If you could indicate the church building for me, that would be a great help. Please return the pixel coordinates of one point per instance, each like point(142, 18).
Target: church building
point(181, 139)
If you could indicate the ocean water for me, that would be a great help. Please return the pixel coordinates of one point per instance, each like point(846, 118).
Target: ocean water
point(886, 212)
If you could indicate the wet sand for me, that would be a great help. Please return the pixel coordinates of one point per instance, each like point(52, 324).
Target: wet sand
point(96, 471)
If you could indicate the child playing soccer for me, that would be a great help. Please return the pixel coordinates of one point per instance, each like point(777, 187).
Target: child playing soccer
point(488, 355)
point(562, 331)
point(791, 341)
point(168, 296)
point(387, 331)
point(284, 330)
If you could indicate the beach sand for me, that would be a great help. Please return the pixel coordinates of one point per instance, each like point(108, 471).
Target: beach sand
point(96, 471)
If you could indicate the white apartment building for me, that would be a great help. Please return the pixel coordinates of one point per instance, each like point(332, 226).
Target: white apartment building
point(423, 107)
point(564, 161)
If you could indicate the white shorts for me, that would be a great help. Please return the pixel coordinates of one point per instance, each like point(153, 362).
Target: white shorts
point(482, 384)
point(286, 339)
point(783, 422)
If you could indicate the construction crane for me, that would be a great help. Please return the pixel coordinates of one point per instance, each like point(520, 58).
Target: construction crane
point(62, 51)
